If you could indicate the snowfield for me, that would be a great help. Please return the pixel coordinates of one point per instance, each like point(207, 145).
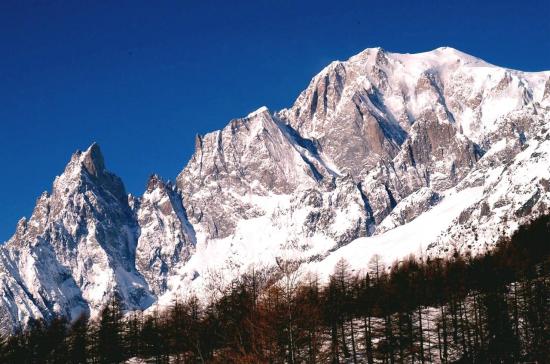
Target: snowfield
point(402, 241)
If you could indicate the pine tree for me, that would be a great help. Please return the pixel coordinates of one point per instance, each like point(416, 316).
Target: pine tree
point(110, 348)
point(54, 341)
point(78, 341)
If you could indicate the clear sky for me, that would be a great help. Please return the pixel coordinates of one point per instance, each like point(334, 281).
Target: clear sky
point(143, 77)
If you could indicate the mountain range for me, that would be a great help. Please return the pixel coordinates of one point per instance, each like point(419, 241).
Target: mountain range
point(384, 153)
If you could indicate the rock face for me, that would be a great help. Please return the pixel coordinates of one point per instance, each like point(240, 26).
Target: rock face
point(165, 237)
point(370, 148)
point(256, 155)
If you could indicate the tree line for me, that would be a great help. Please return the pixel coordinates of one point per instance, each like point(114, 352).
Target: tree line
point(487, 308)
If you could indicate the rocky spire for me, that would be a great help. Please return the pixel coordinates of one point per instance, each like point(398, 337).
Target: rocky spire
point(89, 167)
point(93, 161)
point(166, 238)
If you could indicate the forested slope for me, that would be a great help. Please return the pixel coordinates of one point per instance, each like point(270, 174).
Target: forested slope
point(488, 308)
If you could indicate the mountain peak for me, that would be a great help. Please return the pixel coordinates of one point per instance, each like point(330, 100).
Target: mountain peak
point(89, 166)
point(367, 53)
point(93, 161)
point(453, 52)
point(154, 182)
point(447, 49)
point(261, 110)
point(438, 55)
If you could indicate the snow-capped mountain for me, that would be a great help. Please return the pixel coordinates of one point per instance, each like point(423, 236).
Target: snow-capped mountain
point(384, 153)
point(77, 247)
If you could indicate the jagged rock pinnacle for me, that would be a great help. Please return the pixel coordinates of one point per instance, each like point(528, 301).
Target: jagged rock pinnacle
point(93, 160)
point(154, 182)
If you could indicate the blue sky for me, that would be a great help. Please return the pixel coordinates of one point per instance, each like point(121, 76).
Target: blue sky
point(143, 77)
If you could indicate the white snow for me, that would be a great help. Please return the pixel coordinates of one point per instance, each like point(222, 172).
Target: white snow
point(258, 111)
point(411, 238)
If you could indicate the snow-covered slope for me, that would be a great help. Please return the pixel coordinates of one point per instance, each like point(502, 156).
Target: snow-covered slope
point(384, 153)
point(395, 244)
